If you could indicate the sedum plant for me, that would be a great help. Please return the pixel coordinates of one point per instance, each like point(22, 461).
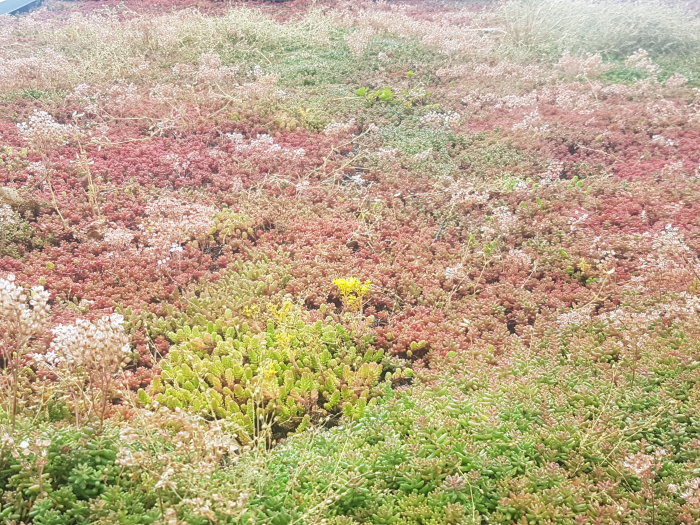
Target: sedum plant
point(94, 351)
point(230, 230)
point(353, 292)
point(23, 314)
point(270, 382)
point(239, 295)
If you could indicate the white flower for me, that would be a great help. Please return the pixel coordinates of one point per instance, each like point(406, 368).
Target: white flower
point(23, 312)
point(84, 344)
point(41, 130)
point(454, 272)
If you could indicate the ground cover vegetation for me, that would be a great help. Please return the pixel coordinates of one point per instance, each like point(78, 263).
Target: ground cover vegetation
point(350, 262)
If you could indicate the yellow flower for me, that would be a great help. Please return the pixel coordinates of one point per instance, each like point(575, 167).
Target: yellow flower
point(352, 292)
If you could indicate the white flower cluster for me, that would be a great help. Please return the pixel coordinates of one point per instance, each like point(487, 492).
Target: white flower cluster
point(622, 318)
point(690, 491)
point(579, 219)
point(179, 164)
point(423, 155)
point(42, 131)
point(645, 465)
point(23, 312)
point(175, 250)
point(121, 98)
point(386, 153)
point(532, 122)
point(676, 80)
point(520, 258)
point(570, 99)
point(554, 171)
point(257, 72)
point(454, 273)
point(416, 93)
point(210, 60)
point(358, 41)
point(504, 217)
point(87, 96)
point(437, 119)
point(357, 179)
point(164, 93)
point(667, 113)
point(559, 95)
point(118, 238)
point(683, 306)
point(123, 95)
point(34, 71)
point(641, 60)
point(663, 141)
point(102, 344)
point(461, 191)
point(575, 317)
point(212, 70)
point(588, 66)
point(669, 243)
point(674, 169)
point(263, 144)
point(170, 222)
point(337, 128)
point(7, 215)
point(26, 447)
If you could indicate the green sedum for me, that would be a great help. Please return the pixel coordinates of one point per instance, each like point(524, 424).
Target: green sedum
point(271, 382)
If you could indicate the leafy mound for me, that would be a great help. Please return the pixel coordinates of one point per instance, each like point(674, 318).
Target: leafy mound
point(275, 381)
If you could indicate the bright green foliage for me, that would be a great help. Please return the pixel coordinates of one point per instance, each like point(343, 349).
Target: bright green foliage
point(284, 377)
point(545, 437)
point(62, 475)
point(238, 296)
point(539, 440)
point(52, 476)
point(385, 94)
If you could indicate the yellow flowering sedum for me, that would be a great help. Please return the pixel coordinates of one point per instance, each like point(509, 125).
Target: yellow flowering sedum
point(353, 292)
